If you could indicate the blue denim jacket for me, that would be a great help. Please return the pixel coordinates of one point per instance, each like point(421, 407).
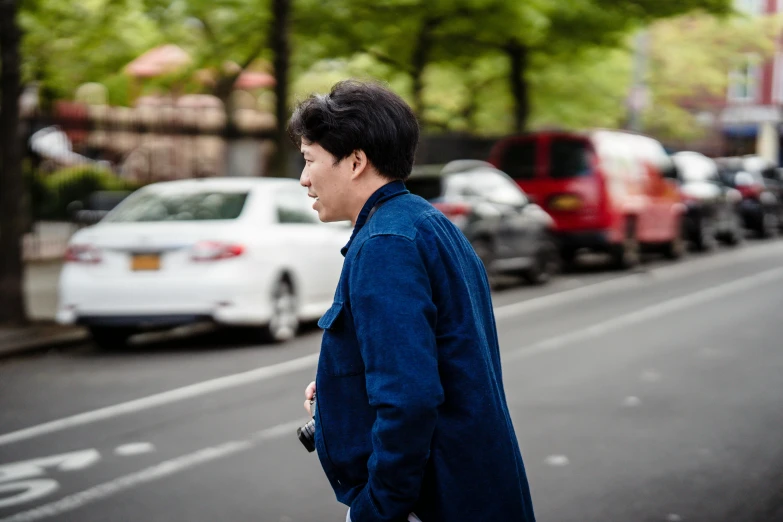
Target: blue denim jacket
point(411, 413)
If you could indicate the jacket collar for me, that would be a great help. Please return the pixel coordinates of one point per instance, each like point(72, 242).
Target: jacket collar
point(380, 196)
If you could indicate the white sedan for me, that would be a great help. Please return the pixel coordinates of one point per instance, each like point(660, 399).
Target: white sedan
point(236, 251)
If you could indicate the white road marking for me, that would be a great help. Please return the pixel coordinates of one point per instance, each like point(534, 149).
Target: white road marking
point(26, 491)
point(178, 394)
point(151, 474)
point(22, 478)
point(73, 461)
point(134, 448)
point(556, 461)
point(673, 517)
point(632, 280)
point(644, 314)
point(650, 376)
point(309, 361)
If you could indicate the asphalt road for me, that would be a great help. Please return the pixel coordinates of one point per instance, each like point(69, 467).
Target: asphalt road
point(650, 396)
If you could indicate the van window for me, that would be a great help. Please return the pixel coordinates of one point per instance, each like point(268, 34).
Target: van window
point(568, 159)
point(518, 159)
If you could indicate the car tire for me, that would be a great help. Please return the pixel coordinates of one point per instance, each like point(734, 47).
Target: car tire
point(768, 227)
point(545, 265)
point(736, 235)
point(705, 239)
point(676, 248)
point(284, 323)
point(483, 249)
point(627, 254)
point(109, 337)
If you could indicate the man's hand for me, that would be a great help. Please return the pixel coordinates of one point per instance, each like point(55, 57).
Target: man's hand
point(309, 394)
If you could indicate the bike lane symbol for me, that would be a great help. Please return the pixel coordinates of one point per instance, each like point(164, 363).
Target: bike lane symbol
point(24, 479)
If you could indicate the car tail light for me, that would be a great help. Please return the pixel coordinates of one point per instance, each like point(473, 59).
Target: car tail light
point(215, 250)
point(453, 209)
point(751, 191)
point(457, 213)
point(86, 254)
point(565, 203)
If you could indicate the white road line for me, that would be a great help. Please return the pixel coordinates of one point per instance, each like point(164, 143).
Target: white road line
point(644, 314)
point(186, 392)
point(153, 473)
point(310, 361)
point(637, 279)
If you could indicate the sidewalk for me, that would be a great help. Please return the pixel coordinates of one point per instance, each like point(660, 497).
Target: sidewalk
point(38, 337)
point(43, 333)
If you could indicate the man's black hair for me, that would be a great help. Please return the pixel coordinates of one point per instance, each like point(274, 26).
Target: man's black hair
point(360, 116)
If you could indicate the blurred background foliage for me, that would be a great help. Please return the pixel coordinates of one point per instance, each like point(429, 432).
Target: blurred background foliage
point(485, 67)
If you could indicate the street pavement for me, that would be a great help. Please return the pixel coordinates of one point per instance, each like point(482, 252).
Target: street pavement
point(655, 395)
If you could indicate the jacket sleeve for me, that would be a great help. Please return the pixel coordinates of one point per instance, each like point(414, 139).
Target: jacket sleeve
point(394, 316)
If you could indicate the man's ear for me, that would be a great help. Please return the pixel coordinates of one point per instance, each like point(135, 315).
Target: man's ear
point(359, 163)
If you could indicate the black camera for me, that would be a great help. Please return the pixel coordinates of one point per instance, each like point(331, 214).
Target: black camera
point(306, 433)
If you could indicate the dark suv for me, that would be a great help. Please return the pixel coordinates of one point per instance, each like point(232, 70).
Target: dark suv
point(759, 183)
point(510, 234)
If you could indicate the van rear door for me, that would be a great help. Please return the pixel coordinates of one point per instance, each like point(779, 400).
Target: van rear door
point(557, 170)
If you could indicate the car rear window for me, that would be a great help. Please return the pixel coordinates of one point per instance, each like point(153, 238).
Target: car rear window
point(212, 205)
point(568, 159)
point(427, 187)
point(518, 159)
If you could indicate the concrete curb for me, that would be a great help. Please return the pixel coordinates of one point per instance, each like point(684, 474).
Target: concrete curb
point(41, 341)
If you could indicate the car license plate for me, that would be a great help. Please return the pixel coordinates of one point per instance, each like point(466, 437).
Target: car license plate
point(145, 262)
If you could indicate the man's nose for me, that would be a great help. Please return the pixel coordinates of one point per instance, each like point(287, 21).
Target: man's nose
point(304, 179)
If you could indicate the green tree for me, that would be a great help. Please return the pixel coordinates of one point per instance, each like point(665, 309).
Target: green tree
point(411, 35)
point(690, 61)
point(241, 33)
point(66, 44)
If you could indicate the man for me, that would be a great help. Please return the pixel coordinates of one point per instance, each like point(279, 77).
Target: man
point(411, 416)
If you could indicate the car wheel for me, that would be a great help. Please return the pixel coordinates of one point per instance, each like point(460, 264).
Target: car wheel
point(705, 239)
point(675, 248)
point(768, 226)
point(568, 259)
point(483, 249)
point(110, 338)
point(627, 254)
point(284, 322)
point(736, 235)
point(545, 265)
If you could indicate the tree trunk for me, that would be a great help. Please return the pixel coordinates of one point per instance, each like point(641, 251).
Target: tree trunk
point(421, 55)
point(12, 305)
point(281, 51)
point(518, 55)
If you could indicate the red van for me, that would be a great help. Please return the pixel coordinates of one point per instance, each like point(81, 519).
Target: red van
point(606, 190)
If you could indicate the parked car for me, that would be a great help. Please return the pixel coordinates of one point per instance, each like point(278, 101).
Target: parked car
point(606, 190)
point(236, 251)
point(712, 213)
point(510, 234)
point(760, 184)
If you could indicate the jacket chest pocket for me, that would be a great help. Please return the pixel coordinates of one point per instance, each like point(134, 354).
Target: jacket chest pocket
point(340, 355)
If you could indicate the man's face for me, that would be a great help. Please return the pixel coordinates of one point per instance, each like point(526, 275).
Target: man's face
point(328, 183)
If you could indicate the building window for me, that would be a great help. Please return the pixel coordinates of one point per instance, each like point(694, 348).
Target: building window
point(751, 7)
point(744, 80)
